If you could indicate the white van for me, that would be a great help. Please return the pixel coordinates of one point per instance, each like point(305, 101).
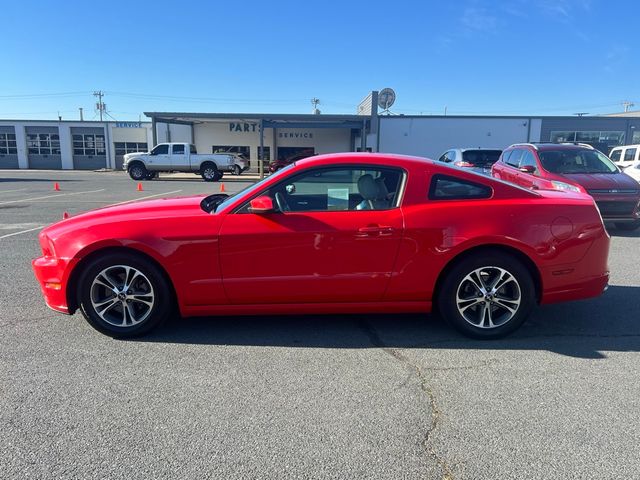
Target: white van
point(625, 156)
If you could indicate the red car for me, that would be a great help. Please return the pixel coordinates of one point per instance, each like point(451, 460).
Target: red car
point(279, 164)
point(342, 233)
point(576, 168)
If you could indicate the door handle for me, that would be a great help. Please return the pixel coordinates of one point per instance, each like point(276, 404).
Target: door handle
point(374, 231)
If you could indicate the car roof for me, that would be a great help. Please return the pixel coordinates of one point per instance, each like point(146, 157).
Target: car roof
point(553, 146)
point(356, 157)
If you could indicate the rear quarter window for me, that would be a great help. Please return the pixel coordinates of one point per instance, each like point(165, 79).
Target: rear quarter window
point(444, 187)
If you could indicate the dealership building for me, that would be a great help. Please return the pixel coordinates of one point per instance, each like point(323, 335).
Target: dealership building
point(91, 145)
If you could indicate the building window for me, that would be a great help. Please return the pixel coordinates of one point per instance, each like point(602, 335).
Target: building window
point(603, 141)
point(88, 144)
point(8, 144)
point(43, 143)
point(123, 148)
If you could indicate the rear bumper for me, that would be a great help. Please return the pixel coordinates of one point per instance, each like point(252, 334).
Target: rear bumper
point(588, 288)
point(52, 276)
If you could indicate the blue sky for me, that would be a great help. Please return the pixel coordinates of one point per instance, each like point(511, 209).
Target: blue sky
point(538, 57)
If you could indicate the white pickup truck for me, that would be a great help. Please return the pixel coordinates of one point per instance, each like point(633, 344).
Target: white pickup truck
point(181, 157)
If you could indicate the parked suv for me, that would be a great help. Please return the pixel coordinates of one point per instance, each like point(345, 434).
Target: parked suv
point(574, 167)
point(479, 160)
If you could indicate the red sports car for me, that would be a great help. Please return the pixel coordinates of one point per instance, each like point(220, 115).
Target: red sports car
point(341, 233)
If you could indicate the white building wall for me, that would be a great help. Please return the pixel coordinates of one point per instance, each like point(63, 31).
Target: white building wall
point(172, 132)
point(430, 137)
point(239, 133)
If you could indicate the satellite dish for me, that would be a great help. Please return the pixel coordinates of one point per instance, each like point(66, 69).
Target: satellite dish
point(386, 98)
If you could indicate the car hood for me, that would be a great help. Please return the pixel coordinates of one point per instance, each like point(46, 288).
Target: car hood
point(136, 211)
point(602, 181)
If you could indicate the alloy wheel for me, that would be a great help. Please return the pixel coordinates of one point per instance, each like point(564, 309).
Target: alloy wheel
point(122, 296)
point(488, 297)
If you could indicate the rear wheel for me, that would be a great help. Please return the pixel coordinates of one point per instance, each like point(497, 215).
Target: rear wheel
point(210, 172)
point(124, 295)
point(488, 296)
point(237, 170)
point(138, 171)
point(628, 227)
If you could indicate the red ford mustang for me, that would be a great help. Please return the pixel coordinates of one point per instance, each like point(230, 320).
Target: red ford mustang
point(341, 233)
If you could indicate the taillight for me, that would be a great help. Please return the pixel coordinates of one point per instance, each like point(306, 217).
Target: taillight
point(463, 164)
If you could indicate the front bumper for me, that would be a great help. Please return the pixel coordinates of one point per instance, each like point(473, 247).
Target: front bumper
point(52, 275)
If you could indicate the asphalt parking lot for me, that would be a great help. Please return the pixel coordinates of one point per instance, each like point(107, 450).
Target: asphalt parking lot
point(389, 396)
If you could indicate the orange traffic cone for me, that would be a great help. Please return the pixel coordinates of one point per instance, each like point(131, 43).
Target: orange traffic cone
point(56, 187)
point(139, 187)
point(222, 187)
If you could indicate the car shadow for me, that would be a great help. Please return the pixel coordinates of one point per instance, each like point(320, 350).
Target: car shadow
point(583, 329)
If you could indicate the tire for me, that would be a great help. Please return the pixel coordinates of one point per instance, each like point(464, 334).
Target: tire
point(236, 170)
point(464, 305)
point(132, 312)
point(138, 171)
point(628, 227)
point(210, 172)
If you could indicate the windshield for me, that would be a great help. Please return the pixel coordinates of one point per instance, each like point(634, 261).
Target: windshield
point(577, 160)
point(481, 158)
point(250, 188)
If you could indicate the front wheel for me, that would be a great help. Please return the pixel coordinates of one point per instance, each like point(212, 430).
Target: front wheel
point(628, 227)
point(487, 297)
point(123, 295)
point(137, 171)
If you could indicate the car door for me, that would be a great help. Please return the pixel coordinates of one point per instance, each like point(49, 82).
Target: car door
point(159, 158)
point(524, 178)
point(179, 157)
point(511, 166)
point(331, 241)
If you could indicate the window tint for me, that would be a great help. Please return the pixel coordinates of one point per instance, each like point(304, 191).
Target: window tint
point(178, 149)
point(444, 187)
point(630, 154)
point(514, 158)
point(160, 150)
point(615, 155)
point(192, 150)
point(529, 160)
point(576, 161)
point(340, 188)
point(481, 158)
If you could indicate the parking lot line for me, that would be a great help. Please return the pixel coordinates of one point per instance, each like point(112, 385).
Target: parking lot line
point(50, 196)
point(144, 198)
point(10, 191)
point(19, 233)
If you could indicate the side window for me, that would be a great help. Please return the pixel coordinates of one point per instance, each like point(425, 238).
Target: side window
point(340, 188)
point(514, 158)
point(630, 154)
point(160, 150)
point(451, 156)
point(177, 149)
point(615, 155)
point(528, 160)
point(444, 187)
point(192, 150)
point(443, 157)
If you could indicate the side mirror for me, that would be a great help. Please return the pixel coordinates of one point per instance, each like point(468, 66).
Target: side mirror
point(262, 204)
point(528, 169)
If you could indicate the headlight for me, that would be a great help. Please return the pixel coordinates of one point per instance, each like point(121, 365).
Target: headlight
point(565, 186)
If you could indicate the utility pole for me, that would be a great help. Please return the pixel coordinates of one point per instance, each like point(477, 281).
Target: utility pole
point(627, 105)
point(81, 115)
point(100, 106)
